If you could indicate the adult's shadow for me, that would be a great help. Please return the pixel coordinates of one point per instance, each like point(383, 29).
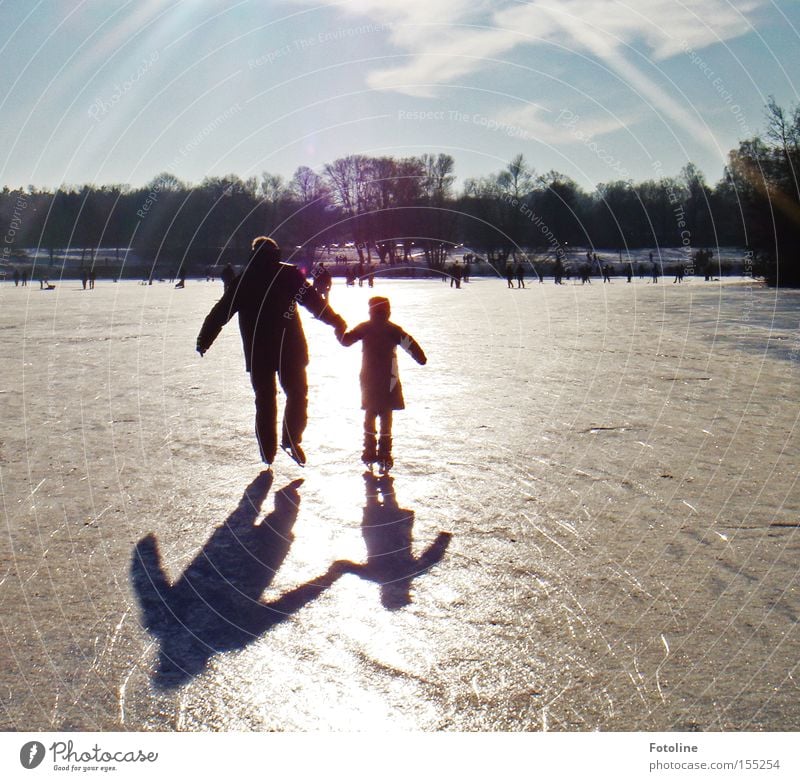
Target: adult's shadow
point(215, 605)
point(387, 529)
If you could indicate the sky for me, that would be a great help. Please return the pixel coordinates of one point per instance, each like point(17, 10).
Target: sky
point(118, 91)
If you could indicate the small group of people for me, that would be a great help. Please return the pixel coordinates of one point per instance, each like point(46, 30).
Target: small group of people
point(359, 272)
point(88, 278)
point(266, 297)
point(457, 273)
point(515, 272)
point(20, 277)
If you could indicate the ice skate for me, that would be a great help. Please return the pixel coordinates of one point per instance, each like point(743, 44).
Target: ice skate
point(369, 455)
point(385, 461)
point(295, 452)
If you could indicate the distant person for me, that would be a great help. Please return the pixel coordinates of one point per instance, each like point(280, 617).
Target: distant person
point(678, 273)
point(654, 272)
point(266, 300)
point(456, 273)
point(24, 277)
point(519, 273)
point(467, 270)
point(606, 273)
point(228, 276)
point(323, 281)
point(92, 279)
point(586, 274)
point(510, 273)
point(558, 270)
point(84, 279)
point(16, 277)
point(629, 272)
point(381, 392)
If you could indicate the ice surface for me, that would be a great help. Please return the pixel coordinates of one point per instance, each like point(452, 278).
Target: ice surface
point(617, 465)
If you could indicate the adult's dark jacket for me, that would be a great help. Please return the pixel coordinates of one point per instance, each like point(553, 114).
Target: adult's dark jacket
point(266, 296)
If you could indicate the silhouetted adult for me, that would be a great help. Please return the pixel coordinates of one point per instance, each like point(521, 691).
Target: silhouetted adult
point(520, 275)
point(16, 277)
point(266, 297)
point(24, 278)
point(654, 271)
point(510, 274)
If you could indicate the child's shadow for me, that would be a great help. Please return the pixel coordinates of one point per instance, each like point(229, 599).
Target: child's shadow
point(387, 530)
point(215, 605)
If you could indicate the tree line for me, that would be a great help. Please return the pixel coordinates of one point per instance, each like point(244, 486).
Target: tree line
point(387, 207)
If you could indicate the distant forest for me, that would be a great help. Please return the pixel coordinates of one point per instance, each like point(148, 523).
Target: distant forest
point(388, 206)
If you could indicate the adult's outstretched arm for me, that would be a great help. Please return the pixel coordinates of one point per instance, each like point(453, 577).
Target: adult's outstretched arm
point(220, 313)
point(321, 309)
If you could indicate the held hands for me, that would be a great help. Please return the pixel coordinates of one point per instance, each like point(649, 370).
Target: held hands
point(340, 328)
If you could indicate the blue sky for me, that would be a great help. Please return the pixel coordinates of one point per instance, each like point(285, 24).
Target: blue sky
point(115, 91)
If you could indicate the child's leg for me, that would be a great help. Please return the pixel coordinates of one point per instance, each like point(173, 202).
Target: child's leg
point(386, 423)
point(369, 455)
point(385, 441)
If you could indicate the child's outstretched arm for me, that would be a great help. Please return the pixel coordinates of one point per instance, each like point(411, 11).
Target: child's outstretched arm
point(409, 344)
point(351, 337)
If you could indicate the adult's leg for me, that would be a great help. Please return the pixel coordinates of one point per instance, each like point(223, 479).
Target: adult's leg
point(266, 415)
point(292, 375)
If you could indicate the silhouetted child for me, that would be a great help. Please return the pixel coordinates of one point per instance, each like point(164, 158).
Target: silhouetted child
point(381, 392)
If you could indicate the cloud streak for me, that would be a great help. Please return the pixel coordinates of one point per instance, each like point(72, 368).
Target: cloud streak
point(445, 42)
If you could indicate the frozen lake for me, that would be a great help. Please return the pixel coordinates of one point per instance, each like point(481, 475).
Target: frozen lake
point(617, 466)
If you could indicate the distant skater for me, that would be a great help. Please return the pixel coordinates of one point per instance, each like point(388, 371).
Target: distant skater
point(510, 274)
point(266, 299)
point(381, 392)
point(558, 270)
point(92, 279)
point(520, 274)
point(654, 271)
point(16, 277)
point(323, 282)
point(455, 275)
point(228, 276)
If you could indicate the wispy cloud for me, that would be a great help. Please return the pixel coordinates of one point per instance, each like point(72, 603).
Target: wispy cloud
point(446, 41)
